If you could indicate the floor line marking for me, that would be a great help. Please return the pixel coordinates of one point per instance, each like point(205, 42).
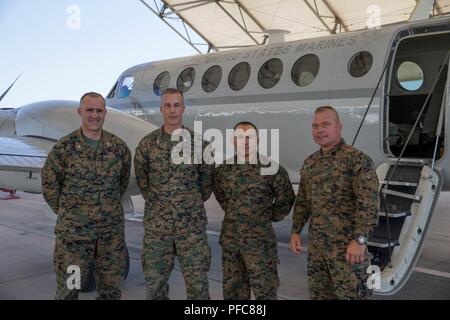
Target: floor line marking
point(433, 272)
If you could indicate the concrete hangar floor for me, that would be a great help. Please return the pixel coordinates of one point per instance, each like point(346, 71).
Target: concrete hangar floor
point(27, 241)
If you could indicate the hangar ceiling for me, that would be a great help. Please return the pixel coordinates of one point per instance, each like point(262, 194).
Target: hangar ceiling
point(215, 25)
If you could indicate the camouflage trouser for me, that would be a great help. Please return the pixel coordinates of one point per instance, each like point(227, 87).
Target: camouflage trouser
point(109, 255)
point(158, 255)
point(254, 269)
point(330, 276)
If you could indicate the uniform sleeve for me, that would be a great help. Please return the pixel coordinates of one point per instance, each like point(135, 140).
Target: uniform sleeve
point(52, 179)
point(206, 178)
point(125, 172)
point(365, 186)
point(140, 170)
point(284, 195)
point(302, 206)
point(219, 191)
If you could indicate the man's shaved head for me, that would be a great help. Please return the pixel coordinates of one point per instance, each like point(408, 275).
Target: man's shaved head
point(328, 108)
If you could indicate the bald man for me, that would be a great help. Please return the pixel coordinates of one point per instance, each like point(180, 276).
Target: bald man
point(83, 180)
point(338, 195)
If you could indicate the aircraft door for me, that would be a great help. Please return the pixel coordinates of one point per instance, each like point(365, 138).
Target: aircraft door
point(417, 91)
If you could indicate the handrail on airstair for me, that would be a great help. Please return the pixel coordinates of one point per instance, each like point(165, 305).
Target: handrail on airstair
point(404, 148)
point(438, 130)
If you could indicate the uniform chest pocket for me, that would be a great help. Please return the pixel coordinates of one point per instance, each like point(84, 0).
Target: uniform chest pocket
point(153, 175)
point(111, 165)
point(158, 172)
point(246, 182)
point(337, 180)
point(81, 168)
point(187, 168)
point(159, 157)
point(252, 184)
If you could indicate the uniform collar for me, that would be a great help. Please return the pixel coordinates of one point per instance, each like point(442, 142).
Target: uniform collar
point(258, 162)
point(332, 152)
point(82, 145)
point(161, 132)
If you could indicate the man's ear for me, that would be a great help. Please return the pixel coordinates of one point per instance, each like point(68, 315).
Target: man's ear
point(79, 111)
point(340, 125)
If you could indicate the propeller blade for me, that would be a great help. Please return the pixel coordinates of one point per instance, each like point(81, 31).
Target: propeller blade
point(6, 92)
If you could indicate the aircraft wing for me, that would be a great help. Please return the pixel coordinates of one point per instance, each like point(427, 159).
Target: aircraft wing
point(21, 161)
point(23, 153)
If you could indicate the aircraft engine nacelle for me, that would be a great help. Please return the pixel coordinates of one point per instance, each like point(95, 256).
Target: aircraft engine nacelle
point(47, 119)
point(7, 117)
point(34, 129)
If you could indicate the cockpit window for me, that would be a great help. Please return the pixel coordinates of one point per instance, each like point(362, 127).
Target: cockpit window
point(112, 93)
point(161, 83)
point(125, 87)
point(186, 79)
point(305, 70)
point(360, 64)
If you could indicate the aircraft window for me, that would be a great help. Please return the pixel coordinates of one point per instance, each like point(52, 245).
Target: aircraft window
point(126, 86)
point(305, 70)
point(112, 93)
point(186, 79)
point(409, 76)
point(161, 83)
point(360, 64)
point(239, 75)
point(211, 78)
point(270, 73)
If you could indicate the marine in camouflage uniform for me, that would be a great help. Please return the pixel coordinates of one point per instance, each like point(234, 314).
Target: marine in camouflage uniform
point(174, 218)
point(84, 186)
point(251, 202)
point(338, 195)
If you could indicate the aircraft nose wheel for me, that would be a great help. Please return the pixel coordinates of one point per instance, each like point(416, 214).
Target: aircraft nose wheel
point(88, 284)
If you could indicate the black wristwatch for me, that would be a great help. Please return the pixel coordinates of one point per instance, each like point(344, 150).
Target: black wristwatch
point(362, 240)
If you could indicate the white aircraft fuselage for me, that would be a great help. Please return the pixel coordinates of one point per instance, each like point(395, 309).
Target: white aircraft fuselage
point(397, 74)
point(289, 107)
point(28, 133)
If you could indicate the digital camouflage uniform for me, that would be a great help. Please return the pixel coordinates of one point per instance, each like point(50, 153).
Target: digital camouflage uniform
point(251, 202)
point(338, 194)
point(84, 188)
point(175, 218)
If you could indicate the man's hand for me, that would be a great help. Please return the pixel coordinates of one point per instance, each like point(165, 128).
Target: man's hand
point(296, 243)
point(355, 252)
